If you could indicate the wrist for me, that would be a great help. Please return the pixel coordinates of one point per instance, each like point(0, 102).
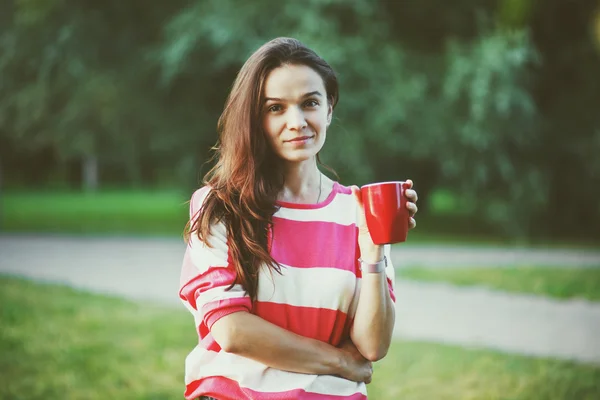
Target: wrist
point(371, 268)
point(372, 255)
point(339, 363)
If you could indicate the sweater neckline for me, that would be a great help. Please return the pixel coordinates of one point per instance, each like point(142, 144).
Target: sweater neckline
point(306, 206)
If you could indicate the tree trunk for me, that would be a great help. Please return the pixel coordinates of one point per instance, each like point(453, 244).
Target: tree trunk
point(90, 173)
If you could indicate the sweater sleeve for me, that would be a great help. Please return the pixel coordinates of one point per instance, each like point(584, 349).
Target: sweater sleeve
point(389, 271)
point(207, 284)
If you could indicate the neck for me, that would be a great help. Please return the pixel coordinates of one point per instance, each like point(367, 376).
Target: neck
point(302, 183)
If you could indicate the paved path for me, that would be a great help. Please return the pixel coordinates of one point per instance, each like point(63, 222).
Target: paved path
point(149, 269)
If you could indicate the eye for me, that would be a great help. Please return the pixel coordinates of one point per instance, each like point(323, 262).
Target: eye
point(275, 108)
point(311, 103)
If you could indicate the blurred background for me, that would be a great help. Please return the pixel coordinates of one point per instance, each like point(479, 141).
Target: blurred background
point(491, 107)
point(108, 112)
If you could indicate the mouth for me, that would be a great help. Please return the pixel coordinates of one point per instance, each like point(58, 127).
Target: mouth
point(300, 139)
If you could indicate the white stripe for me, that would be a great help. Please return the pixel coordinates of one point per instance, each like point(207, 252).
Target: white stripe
point(342, 210)
point(389, 270)
point(197, 200)
point(308, 287)
point(354, 303)
point(201, 363)
point(214, 294)
point(204, 257)
point(198, 315)
point(220, 293)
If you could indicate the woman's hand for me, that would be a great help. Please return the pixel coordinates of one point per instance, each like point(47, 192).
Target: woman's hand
point(355, 367)
point(411, 203)
point(370, 251)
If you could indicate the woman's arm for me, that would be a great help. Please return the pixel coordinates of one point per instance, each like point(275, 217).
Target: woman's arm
point(250, 336)
point(221, 306)
point(374, 320)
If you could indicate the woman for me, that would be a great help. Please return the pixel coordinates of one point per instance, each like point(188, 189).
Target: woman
point(272, 272)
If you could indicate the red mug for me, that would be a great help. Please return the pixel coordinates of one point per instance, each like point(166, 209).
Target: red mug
point(385, 211)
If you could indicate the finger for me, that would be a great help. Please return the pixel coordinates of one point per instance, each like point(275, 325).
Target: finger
point(408, 184)
point(411, 195)
point(412, 223)
point(412, 208)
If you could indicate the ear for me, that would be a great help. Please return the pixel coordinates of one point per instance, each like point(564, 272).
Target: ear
point(329, 114)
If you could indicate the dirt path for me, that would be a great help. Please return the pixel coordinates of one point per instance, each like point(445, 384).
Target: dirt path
point(148, 269)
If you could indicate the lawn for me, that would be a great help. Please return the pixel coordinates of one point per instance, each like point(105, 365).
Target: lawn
point(562, 283)
point(111, 212)
point(61, 343)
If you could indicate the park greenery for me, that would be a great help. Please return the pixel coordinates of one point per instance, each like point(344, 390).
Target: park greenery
point(564, 283)
point(99, 343)
point(494, 101)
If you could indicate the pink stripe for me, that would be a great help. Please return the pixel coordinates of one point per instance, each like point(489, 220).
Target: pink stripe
point(189, 271)
point(228, 389)
point(200, 283)
point(218, 309)
point(215, 310)
point(344, 189)
point(209, 343)
point(307, 244)
point(391, 288)
point(203, 330)
point(323, 324)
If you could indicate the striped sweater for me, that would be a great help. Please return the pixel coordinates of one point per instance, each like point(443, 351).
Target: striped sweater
point(315, 296)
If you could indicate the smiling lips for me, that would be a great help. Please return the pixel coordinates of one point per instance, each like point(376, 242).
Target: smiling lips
point(300, 139)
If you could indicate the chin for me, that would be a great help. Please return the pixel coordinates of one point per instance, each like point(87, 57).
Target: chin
point(299, 156)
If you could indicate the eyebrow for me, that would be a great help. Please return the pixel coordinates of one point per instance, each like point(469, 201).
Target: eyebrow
point(305, 95)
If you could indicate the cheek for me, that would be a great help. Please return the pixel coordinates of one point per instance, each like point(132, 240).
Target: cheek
point(268, 127)
point(322, 118)
point(271, 132)
point(272, 124)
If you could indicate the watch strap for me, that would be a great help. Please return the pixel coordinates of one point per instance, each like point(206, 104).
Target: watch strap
point(373, 268)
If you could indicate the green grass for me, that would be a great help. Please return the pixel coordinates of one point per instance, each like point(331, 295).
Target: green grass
point(60, 343)
point(562, 283)
point(114, 212)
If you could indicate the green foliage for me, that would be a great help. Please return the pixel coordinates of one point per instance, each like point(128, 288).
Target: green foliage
point(491, 128)
point(480, 99)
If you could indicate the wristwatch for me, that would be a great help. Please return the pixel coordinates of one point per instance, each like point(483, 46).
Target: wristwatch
point(379, 266)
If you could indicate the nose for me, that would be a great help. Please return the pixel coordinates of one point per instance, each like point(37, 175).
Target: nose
point(295, 119)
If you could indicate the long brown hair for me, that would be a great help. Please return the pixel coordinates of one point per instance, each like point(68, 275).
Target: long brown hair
point(246, 178)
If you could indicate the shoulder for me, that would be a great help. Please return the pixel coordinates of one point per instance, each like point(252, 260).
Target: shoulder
point(347, 191)
point(345, 197)
point(341, 189)
point(197, 199)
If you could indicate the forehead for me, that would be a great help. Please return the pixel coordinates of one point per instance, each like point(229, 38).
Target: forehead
point(292, 81)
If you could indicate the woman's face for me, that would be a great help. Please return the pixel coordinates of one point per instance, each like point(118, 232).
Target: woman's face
point(296, 113)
